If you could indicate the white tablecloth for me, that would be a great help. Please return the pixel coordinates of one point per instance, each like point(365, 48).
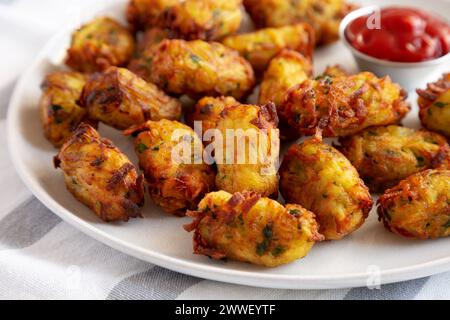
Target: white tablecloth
point(42, 257)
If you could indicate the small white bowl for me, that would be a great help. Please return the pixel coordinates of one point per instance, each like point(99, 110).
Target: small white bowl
point(409, 75)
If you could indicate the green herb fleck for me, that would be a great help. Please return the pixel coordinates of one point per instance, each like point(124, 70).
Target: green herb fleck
point(268, 232)
point(142, 148)
point(441, 104)
point(420, 161)
point(294, 212)
point(206, 109)
point(196, 59)
point(56, 108)
point(261, 248)
point(447, 225)
point(277, 251)
point(216, 13)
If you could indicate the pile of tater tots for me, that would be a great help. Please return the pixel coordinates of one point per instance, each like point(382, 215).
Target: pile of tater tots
point(137, 78)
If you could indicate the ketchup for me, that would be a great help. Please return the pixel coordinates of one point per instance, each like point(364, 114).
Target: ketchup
point(406, 35)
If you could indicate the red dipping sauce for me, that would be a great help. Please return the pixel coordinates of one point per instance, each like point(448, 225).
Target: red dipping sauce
point(406, 35)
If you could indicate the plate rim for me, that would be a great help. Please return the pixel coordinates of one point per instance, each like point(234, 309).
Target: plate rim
point(215, 273)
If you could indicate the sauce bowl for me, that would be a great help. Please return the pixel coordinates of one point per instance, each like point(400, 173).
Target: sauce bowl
point(409, 75)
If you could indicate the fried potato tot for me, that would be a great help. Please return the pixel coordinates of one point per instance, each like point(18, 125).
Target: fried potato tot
point(247, 160)
point(100, 44)
point(248, 228)
point(202, 19)
point(120, 99)
point(100, 176)
point(384, 156)
point(419, 207)
point(261, 46)
point(434, 104)
point(319, 178)
point(324, 15)
point(343, 106)
point(144, 14)
point(199, 69)
point(208, 111)
point(59, 110)
point(287, 69)
point(175, 186)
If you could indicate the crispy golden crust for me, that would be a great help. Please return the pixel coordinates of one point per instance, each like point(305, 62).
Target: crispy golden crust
point(208, 110)
point(287, 69)
point(434, 103)
point(199, 69)
point(261, 46)
point(324, 15)
point(100, 176)
point(202, 19)
point(255, 152)
point(248, 228)
point(59, 110)
point(384, 156)
point(100, 44)
point(335, 72)
point(173, 185)
point(343, 106)
point(121, 99)
point(144, 14)
point(321, 179)
point(419, 207)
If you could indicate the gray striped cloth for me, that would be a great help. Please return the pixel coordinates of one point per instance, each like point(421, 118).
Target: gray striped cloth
point(42, 257)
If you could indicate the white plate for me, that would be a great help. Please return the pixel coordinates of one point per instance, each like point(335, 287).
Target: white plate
point(370, 254)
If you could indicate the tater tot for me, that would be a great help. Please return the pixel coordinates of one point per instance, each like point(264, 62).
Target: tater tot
point(100, 176)
point(59, 110)
point(174, 185)
point(419, 207)
point(260, 46)
point(434, 103)
point(100, 44)
point(248, 228)
point(208, 110)
point(384, 156)
point(343, 106)
point(319, 178)
point(202, 19)
point(247, 160)
point(324, 15)
point(199, 69)
point(144, 14)
point(287, 69)
point(119, 98)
